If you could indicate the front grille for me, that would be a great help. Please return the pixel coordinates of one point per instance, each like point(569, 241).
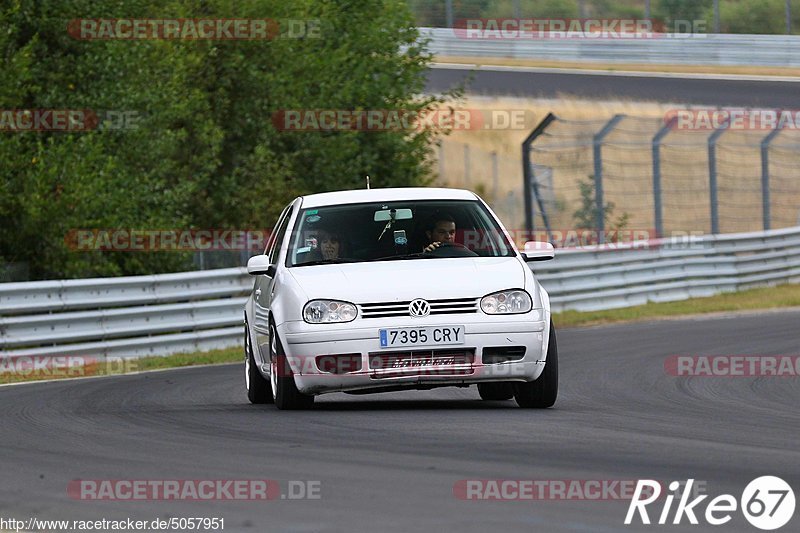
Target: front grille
point(438, 307)
point(422, 362)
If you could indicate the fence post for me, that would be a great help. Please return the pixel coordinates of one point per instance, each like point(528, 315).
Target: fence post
point(527, 178)
point(765, 200)
point(712, 176)
point(441, 161)
point(658, 213)
point(716, 16)
point(598, 176)
point(657, 206)
point(448, 13)
point(495, 177)
point(466, 166)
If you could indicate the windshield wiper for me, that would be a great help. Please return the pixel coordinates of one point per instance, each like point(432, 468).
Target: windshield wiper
point(419, 255)
point(327, 262)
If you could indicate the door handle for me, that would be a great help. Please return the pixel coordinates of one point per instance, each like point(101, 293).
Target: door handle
point(258, 292)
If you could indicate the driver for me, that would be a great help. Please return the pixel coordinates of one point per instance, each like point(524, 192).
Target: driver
point(442, 229)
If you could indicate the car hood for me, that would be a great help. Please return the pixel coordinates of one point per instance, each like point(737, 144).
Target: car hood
point(388, 281)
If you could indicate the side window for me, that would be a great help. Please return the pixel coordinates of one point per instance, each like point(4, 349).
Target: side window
point(273, 235)
point(280, 234)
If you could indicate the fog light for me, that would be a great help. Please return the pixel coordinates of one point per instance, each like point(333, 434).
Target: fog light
point(339, 364)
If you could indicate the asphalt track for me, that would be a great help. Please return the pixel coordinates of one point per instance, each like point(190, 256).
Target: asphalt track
point(671, 89)
point(389, 462)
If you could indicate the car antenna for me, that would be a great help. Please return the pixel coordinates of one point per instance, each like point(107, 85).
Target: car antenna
point(367, 181)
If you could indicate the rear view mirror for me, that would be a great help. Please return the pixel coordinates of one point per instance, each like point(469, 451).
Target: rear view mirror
point(385, 215)
point(538, 251)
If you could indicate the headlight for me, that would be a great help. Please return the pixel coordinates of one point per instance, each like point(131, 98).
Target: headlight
point(506, 302)
point(328, 312)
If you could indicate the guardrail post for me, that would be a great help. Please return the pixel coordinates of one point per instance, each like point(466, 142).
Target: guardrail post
point(712, 176)
point(527, 175)
point(598, 175)
point(658, 214)
point(765, 200)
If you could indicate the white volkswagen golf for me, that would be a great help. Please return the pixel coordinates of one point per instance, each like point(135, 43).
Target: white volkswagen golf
point(392, 289)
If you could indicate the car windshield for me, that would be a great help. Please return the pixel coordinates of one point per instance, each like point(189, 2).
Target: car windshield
point(391, 231)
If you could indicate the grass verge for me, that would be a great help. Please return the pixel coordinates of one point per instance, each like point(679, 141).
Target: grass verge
point(755, 299)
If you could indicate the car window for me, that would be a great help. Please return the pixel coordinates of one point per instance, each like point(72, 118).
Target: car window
point(394, 230)
point(279, 234)
point(274, 232)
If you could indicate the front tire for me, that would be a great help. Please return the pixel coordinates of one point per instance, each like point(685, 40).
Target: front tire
point(542, 393)
point(282, 378)
point(258, 389)
point(495, 391)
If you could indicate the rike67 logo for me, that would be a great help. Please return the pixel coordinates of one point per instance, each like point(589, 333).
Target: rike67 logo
point(767, 503)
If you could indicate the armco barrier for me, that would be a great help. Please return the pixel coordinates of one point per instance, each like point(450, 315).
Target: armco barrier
point(705, 49)
point(124, 317)
point(195, 311)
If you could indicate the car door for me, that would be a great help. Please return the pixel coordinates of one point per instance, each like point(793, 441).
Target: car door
point(265, 285)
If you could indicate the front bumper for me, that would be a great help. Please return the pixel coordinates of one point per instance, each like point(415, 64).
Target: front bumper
point(303, 342)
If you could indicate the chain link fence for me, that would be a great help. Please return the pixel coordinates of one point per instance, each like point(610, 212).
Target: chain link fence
point(647, 176)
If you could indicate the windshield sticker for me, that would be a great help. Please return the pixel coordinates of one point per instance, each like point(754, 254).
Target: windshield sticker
point(400, 238)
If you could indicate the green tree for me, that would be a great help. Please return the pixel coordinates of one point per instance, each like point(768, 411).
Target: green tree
point(762, 17)
point(205, 153)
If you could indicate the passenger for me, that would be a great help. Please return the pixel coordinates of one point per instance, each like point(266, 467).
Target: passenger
point(329, 246)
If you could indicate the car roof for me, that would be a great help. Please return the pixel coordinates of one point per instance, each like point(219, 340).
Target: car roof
point(385, 195)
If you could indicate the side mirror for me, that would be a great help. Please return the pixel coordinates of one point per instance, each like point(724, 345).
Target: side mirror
point(538, 251)
point(259, 264)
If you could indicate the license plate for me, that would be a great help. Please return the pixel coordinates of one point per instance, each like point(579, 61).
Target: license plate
point(427, 336)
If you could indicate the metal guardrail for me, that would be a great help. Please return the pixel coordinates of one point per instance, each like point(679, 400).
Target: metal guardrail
point(196, 311)
point(699, 49)
point(124, 317)
point(669, 269)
